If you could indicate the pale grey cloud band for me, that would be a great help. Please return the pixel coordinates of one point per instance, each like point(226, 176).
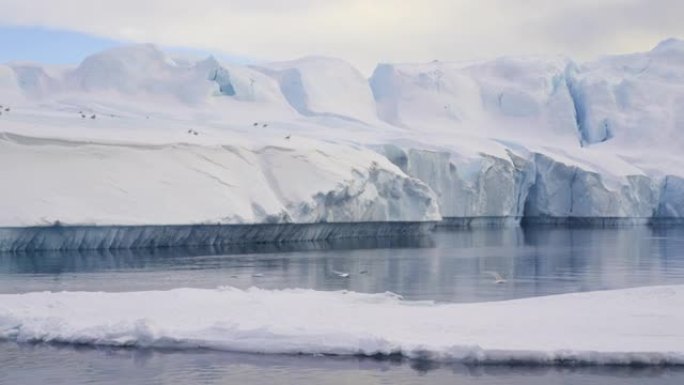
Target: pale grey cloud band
point(364, 31)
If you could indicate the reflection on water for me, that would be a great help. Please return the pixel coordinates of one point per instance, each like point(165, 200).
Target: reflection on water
point(447, 266)
point(53, 261)
point(39, 364)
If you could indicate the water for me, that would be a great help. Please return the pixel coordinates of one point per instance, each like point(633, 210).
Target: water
point(446, 267)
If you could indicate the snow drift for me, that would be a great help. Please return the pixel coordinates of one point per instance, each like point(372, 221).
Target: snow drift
point(624, 327)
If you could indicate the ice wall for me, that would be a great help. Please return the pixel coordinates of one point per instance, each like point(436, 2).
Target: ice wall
point(538, 188)
point(24, 239)
point(562, 190)
point(672, 198)
point(485, 186)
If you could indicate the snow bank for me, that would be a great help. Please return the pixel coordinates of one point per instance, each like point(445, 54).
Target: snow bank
point(623, 327)
point(72, 182)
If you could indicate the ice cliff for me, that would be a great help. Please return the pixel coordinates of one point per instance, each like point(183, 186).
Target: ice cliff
point(134, 135)
point(295, 181)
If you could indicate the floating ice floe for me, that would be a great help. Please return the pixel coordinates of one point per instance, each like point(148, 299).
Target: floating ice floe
point(640, 326)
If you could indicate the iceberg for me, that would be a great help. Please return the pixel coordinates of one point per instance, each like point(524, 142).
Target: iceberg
point(136, 137)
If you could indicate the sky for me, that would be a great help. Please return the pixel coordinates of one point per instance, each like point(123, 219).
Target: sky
point(363, 32)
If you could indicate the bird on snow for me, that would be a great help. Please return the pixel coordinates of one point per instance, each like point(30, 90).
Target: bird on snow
point(287, 137)
point(498, 279)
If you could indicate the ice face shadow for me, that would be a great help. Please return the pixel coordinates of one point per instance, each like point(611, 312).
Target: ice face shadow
point(64, 261)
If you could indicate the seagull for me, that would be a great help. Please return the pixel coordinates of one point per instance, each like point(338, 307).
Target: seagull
point(341, 274)
point(498, 279)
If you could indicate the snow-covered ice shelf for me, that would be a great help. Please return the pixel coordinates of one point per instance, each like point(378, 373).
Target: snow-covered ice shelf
point(639, 326)
point(135, 136)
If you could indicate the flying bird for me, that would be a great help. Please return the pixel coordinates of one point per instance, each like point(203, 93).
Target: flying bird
point(498, 279)
point(341, 274)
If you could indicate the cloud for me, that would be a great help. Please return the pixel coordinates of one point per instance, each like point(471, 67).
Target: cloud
point(622, 26)
point(363, 31)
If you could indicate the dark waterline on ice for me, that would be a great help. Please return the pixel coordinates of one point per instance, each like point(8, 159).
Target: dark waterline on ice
point(58, 237)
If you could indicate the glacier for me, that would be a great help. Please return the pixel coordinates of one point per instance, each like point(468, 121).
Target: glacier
point(598, 328)
point(134, 136)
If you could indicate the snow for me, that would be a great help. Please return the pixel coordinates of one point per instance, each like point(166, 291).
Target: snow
point(622, 96)
point(324, 86)
point(621, 327)
point(80, 183)
point(508, 98)
point(311, 140)
point(9, 85)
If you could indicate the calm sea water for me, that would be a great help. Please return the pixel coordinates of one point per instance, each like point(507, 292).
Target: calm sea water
point(447, 267)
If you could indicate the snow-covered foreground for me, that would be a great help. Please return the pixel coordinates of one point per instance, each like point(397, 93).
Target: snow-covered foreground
point(134, 136)
point(621, 327)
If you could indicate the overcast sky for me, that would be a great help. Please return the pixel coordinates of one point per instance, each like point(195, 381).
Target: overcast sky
point(365, 32)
